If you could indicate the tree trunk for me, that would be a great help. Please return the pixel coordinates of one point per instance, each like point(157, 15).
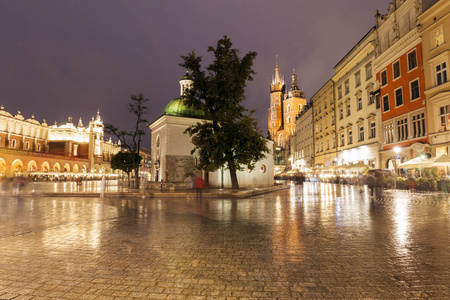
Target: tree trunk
point(136, 179)
point(128, 176)
point(234, 181)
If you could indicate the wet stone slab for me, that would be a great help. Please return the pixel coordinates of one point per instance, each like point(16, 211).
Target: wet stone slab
point(315, 241)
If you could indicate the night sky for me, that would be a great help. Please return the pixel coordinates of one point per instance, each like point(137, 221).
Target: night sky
point(72, 58)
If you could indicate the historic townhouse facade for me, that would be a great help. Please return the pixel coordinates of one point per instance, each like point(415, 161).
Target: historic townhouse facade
point(435, 29)
point(357, 115)
point(399, 69)
point(27, 146)
point(324, 114)
point(303, 139)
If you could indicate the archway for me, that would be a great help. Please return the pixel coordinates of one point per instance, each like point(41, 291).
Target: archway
point(66, 168)
point(32, 166)
point(2, 168)
point(84, 169)
point(45, 167)
point(56, 167)
point(390, 164)
point(16, 168)
point(75, 168)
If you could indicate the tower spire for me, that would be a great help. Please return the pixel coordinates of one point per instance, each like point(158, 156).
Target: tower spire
point(277, 79)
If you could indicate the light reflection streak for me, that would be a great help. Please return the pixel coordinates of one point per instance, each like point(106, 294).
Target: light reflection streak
point(401, 219)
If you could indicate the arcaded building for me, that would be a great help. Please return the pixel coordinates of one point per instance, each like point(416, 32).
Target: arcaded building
point(28, 146)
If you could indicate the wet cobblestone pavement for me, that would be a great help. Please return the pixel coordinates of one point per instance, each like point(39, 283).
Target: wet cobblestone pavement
point(317, 241)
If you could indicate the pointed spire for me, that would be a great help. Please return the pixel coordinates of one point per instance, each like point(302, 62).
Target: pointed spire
point(277, 79)
point(80, 123)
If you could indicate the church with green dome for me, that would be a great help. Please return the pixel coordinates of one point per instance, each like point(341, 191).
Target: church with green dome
point(172, 160)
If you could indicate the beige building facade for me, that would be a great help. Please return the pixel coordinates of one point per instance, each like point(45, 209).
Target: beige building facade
point(358, 117)
point(435, 32)
point(324, 125)
point(303, 140)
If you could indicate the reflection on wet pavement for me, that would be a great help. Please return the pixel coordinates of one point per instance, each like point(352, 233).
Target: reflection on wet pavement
point(316, 240)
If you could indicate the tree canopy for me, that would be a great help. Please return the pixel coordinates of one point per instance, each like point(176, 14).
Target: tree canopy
point(230, 135)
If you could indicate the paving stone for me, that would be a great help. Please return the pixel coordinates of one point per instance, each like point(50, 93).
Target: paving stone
point(309, 242)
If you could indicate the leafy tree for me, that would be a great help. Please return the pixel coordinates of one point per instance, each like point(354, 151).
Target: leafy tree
point(230, 136)
point(124, 161)
point(131, 140)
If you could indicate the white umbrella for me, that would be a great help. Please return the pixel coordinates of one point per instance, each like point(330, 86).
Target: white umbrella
point(442, 160)
point(416, 163)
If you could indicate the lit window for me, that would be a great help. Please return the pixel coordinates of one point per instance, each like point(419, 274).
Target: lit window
point(438, 37)
point(444, 117)
point(371, 98)
point(441, 73)
point(396, 69)
point(361, 133)
point(388, 133)
point(350, 137)
point(383, 78)
point(415, 92)
point(386, 103)
point(412, 60)
point(398, 97)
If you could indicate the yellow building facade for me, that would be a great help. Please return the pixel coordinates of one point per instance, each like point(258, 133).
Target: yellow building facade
point(435, 31)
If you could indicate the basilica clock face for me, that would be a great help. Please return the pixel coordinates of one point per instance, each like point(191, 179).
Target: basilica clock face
point(263, 168)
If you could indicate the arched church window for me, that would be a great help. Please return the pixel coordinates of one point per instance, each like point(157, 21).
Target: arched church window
point(13, 144)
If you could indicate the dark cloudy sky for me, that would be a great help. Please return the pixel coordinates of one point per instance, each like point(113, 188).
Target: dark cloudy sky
point(69, 58)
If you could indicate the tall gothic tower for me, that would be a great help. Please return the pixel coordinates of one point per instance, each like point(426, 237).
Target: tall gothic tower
point(275, 118)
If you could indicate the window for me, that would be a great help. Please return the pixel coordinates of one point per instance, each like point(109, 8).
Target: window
point(288, 120)
point(383, 78)
point(415, 92)
point(340, 92)
point(388, 133)
point(359, 103)
point(396, 69)
point(328, 144)
point(371, 98)
point(320, 108)
point(342, 140)
point(350, 137)
point(332, 120)
point(441, 73)
point(13, 143)
point(334, 141)
point(444, 117)
point(341, 113)
point(412, 60)
point(402, 129)
point(438, 37)
point(398, 97)
point(38, 147)
point(368, 72)
point(418, 124)
point(386, 103)
point(321, 146)
point(347, 87)
point(373, 131)
point(377, 101)
point(325, 104)
point(27, 146)
point(349, 112)
point(361, 133)
point(288, 108)
point(357, 79)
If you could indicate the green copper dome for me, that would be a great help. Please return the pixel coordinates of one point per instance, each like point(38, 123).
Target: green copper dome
point(186, 77)
point(177, 108)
